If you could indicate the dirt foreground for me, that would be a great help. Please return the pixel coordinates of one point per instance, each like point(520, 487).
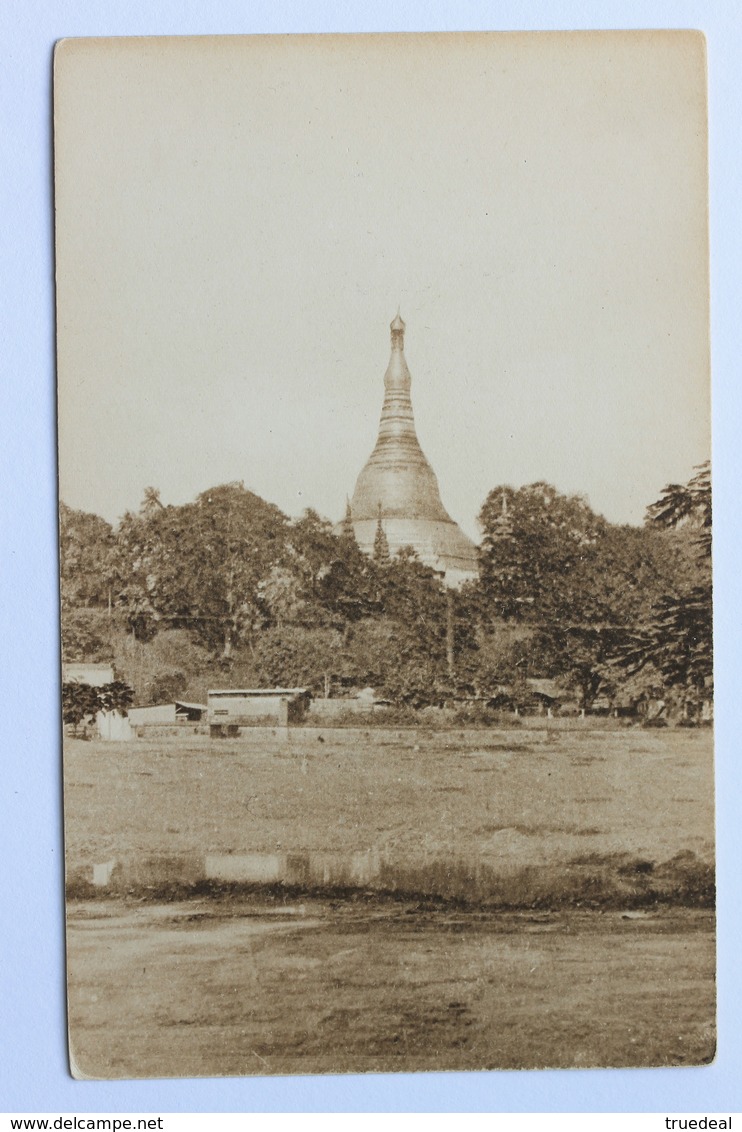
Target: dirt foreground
point(198, 989)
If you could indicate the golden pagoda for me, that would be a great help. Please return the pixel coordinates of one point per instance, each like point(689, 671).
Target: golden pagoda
point(398, 490)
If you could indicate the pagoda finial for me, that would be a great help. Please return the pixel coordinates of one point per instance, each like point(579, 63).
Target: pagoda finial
point(397, 327)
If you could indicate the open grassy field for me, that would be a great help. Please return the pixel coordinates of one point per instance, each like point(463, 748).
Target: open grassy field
point(500, 800)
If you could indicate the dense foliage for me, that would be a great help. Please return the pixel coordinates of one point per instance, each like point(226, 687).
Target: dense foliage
point(229, 587)
point(82, 702)
point(676, 641)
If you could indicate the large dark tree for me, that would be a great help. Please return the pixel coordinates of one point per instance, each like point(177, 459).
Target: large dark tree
point(297, 656)
point(201, 565)
point(148, 565)
point(582, 586)
point(82, 702)
point(236, 538)
point(335, 582)
point(86, 560)
point(86, 545)
point(87, 634)
point(677, 641)
point(687, 505)
point(532, 538)
point(614, 586)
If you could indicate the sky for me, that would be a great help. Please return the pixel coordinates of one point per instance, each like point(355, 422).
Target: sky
point(238, 219)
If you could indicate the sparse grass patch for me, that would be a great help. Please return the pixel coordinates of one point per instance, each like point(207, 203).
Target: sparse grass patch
point(598, 881)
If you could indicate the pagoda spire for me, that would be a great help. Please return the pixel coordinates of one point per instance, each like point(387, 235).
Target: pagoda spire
point(396, 499)
point(381, 543)
point(397, 475)
point(502, 525)
point(346, 527)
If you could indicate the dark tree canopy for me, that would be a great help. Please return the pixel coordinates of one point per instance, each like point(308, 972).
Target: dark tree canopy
point(82, 702)
point(86, 545)
point(587, 588)
point(604, 610)
point(532, 538)
point(199, 565)
point(86, 634)
point(676, 640)
point(689, 504)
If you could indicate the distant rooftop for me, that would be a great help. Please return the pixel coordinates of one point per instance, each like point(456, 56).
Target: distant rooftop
point(258, 692)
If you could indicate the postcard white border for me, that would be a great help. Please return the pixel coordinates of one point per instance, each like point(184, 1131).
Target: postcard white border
point(34, 1054)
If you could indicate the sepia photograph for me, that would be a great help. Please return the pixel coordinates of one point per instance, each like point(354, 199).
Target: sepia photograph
point(385, 516)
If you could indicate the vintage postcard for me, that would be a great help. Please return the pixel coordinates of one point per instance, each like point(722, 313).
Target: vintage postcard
point(385, 521)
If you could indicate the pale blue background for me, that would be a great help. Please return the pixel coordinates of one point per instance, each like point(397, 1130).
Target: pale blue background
point(33, 1062)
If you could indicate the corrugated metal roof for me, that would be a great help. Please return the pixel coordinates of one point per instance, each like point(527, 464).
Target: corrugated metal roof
point(257, 692)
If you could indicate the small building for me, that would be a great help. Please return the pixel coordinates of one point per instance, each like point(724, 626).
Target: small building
point(231, 708)
point(152, 714)
point(189, 713)
point(95, 675)
point(178, 712)
point(114, 725)
point(336, 707)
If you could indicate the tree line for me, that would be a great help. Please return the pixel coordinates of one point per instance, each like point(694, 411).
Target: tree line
point(615, 614)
